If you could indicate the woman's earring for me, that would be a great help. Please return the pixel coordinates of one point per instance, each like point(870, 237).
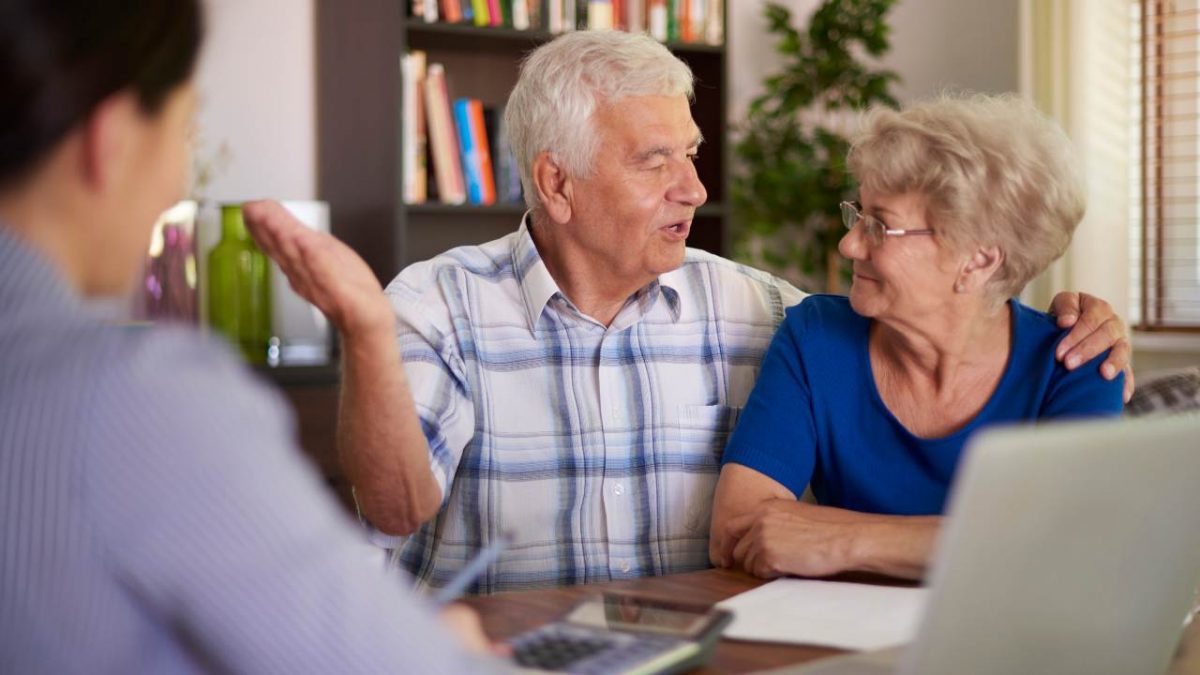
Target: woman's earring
point(959, 288)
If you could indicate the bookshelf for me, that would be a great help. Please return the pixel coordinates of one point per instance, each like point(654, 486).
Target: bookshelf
point(359, 46)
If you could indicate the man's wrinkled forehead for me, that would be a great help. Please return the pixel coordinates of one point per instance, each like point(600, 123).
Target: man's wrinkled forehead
point(656, 114)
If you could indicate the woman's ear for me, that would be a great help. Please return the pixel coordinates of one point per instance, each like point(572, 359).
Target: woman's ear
point(105, 139)
point(979, 268)
point(553, 187)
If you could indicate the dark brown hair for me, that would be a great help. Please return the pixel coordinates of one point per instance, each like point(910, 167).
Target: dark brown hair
point(59, 59)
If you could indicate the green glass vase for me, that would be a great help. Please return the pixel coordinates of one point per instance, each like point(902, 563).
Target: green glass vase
point(239, 288)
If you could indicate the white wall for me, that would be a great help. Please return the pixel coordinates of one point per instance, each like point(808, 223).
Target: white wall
point(257, 87)
point(936, 44)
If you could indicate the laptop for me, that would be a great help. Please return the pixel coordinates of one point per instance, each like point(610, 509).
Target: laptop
point(1070, 548)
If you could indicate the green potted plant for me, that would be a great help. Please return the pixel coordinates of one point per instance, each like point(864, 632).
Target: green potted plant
point(791, 171)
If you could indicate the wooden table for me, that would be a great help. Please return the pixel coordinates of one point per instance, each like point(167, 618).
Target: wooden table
point(507, 614)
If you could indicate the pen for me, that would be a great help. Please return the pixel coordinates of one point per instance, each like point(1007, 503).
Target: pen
point(467, 575)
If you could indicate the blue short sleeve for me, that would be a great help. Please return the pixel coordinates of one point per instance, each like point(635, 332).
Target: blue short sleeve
point(776, 435)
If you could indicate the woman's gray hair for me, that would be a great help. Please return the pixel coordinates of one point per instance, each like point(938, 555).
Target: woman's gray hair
point(564, 81)
point(994, 172)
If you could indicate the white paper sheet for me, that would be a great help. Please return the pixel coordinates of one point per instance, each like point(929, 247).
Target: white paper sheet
point(829, 613)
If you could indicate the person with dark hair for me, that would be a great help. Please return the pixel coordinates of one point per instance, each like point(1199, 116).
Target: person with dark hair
point(157, 516)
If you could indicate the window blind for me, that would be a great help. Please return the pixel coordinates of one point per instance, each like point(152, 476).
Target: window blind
point(1166, 232)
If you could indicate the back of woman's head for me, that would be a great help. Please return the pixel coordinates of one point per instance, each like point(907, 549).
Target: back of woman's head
point(59, 59)
point(994, 171)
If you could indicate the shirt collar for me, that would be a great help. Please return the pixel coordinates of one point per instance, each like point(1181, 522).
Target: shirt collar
point(28, 279)
point(538, 287)
point(670, 284)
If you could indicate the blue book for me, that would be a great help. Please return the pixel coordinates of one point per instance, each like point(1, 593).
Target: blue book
point(469, 148)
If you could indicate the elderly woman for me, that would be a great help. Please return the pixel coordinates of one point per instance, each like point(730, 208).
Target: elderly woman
point(869, 399)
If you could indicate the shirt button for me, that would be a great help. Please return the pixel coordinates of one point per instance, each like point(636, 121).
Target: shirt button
point(625, 567)
point(618, 489)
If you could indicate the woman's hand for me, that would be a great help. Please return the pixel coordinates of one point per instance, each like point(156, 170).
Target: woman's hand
point(786, 537)
point(1095, 327)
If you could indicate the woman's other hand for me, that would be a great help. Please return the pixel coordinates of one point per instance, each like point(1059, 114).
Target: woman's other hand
point(790, 538)
point(786, 537)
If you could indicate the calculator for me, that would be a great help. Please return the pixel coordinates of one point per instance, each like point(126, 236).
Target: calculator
point(625, 634)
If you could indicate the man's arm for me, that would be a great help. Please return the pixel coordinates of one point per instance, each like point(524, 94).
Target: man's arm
point(1095, 327)
point(382, 448)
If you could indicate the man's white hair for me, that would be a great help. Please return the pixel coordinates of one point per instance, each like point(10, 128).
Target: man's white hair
point(564, 81)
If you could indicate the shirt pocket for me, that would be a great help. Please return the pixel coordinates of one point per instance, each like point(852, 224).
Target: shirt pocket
point(699, 436)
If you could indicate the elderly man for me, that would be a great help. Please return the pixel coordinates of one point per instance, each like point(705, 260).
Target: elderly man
point(573, 383)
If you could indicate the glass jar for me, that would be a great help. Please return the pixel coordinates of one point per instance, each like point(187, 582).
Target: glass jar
point(239, 291)
point(168, 289)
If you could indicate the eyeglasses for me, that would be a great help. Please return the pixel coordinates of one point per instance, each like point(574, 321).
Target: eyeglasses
point(875, 229)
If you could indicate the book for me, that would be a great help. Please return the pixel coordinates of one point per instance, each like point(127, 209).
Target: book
point(482, 147)
point(714, 30)
point(569, 18)
point(599, 15)
point(451, 10)
point(447, 166)
point(658, 19)
point(536, 14)
point(481, 15)
point(495, 15)
point(476, 160)
point(634, 18)
point(520, 14)
point(699, 20)
point(412, 124)
point(508, 176)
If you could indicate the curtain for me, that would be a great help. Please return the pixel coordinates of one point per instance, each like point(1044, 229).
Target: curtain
point(1076, 65)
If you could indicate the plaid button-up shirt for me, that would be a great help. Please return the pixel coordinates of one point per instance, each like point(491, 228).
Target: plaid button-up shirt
point(596, 447)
